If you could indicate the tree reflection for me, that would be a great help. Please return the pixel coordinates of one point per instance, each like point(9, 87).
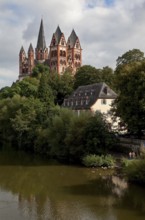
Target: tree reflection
point(65, 192)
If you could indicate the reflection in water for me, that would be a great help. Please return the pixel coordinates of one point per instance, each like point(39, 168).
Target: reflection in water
point(33, 189)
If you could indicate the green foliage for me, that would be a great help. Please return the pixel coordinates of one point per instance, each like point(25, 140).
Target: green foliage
point(45, 93)
point(125, 162)
point(27, 87)
point(62, 86)
point(107, 76)
point(75, 137)
point(129, 57)
point(98, 138)
point(57, 133)
point(93, 160)
point(87, 75)
point(131, 85)
point(135, 171)
point(30, 121)
point(39, 69)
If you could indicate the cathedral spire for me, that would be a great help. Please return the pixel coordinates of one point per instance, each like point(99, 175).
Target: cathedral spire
point(72, 38)
point(41, 38)
point(58, 34)
point(22, 50)
point(30, 48)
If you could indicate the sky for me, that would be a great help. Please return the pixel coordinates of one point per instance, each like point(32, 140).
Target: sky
point(106, 29)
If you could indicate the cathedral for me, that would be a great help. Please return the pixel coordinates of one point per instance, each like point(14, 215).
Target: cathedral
point(61, 55)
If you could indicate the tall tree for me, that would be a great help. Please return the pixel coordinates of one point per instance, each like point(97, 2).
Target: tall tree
point(107, 75)
point(130, 103)
point(45, 93)
point(128, 62)
point(130, 56)
point(87, 75)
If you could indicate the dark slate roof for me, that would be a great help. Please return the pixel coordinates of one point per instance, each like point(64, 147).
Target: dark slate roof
point(41, 38)
point(72, 39)
point(22, 50)
point(30, 48)
point(58, 35)
point(85, 96)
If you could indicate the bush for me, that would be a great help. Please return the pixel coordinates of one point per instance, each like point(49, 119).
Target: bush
point(126, 162)
point(98, 161)
point(135, 171)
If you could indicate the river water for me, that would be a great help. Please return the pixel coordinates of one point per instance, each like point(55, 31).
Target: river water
point(33, 189)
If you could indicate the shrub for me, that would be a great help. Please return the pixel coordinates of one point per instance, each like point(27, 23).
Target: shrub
point(135, 171)
point(98, 161)
point(109, 161)
point(126, 162)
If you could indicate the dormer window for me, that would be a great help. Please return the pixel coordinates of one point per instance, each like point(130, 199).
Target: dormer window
point(105, 90)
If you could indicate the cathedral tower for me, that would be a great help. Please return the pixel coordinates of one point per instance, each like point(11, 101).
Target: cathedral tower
point(61, 56)
point(23, 63)
point(74, 52)
point(30, 59)
point(58, 52)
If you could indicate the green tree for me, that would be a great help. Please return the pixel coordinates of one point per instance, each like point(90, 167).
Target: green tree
point(75, 136)
point(45, 93)
point(27, 87)
point(98, 139)
point(129, 57)
point(87, 75)
point(26, 121)
point(58, 132)
point(130, 103)
point(64, 87)
point(108, 76)
point(39, 69)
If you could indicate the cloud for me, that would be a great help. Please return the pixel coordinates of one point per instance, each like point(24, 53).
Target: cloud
point(106, 28)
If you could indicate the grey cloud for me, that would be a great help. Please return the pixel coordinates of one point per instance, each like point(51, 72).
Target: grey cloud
point(105, 32)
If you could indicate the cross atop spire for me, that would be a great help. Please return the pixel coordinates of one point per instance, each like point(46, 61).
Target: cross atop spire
point(41, 38)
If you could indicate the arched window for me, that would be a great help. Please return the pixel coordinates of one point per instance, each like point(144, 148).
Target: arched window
point(64, 54)
point(61, 53)
point(53, 42)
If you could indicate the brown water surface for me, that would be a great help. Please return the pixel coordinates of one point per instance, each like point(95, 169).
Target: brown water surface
point(33, 189)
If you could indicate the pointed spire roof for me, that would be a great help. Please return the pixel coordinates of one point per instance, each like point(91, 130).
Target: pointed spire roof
point(41, 38)
point(22, 50)
point(58, 34)
point(72, 38)
point(30, 48)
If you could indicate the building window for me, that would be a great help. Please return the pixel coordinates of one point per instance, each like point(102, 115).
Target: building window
point(76, 103)
point(105, 90)
point(103, 101)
